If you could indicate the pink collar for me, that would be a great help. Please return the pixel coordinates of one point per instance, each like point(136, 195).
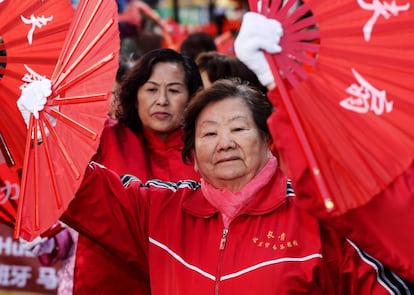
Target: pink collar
point(229, 203)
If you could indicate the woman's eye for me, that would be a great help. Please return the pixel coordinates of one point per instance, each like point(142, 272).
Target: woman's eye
point(207, 134)
point(238, 129)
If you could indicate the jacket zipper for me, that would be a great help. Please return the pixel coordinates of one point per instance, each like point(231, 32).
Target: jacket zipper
point(224, 238)
point(221, 248)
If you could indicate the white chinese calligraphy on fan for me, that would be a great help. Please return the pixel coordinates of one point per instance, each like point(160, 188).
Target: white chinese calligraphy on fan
point(36, 22)
point(380, 9)
point(30, 77)
point(10, 191)
point(366, 97)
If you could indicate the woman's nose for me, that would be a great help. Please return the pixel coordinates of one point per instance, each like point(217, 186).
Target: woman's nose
point(225, 140)
point(162, 97)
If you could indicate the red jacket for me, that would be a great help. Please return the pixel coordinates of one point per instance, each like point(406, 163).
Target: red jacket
point(383, 227)
point(172, 233)
point(96, 270)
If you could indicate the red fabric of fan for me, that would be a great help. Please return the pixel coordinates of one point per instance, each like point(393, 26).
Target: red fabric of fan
point(9, 193)
point(61, 141)
point(346, 78)
point(31, 37)
point(9, 196)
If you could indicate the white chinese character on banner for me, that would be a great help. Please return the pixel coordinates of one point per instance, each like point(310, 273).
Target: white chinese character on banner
point(20, 275)
point(10, 191)
point(14, 275)
point(35, 22)
point(48, 278)
point(366, 97)
point(4, 275)
point(379, 9)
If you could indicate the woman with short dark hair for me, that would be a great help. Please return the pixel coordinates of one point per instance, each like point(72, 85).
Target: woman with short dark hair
point(258, 104)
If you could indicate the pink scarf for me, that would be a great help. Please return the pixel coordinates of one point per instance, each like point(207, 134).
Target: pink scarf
point(229, 203)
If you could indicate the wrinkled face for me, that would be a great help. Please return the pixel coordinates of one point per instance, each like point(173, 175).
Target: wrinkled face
point(229, 149)
point(162, 99)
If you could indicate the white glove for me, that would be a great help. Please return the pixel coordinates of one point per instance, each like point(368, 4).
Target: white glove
point(258, 33)
point(33, 98)
point(38, 246)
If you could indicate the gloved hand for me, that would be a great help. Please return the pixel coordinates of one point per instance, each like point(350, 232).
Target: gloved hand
point(39, 245)
point(258, 33)
point(33, 98)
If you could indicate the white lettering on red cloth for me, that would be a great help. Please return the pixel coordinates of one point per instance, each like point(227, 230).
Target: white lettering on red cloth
point(384, 9)
point(365, 97)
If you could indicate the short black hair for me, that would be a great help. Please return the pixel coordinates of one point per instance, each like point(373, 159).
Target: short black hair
point(221, 66)
point(197, 42)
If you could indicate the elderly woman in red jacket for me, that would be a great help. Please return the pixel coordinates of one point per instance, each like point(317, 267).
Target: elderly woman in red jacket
point(237, 231)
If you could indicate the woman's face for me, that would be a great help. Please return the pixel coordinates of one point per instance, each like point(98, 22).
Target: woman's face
point(229, 149)
point(162, 99)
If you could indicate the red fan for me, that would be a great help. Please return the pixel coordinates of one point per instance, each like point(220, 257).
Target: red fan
point(31, 37)
point(346, 78)
point(61, 141)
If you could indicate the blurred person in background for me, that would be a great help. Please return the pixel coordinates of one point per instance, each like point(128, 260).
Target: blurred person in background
point(141, 28)
point(196, 43)
point(214, 66)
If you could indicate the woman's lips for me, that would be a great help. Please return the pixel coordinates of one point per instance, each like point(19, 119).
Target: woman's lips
point(161, 115)
point(228, 159)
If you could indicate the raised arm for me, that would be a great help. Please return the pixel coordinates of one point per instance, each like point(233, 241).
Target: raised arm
point(383, 227)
